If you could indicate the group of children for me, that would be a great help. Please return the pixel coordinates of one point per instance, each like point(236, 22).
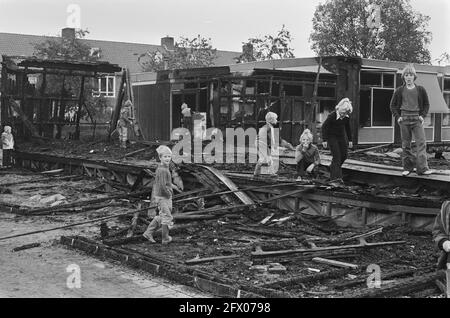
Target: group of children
point(336, 134)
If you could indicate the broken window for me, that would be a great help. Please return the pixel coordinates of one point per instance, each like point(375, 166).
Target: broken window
point(365, 108)
point(371, 78)
point(326, 91)
point(381, 112)
point(250, 87)
point(388, 80)
point(263, 87)
point(293, 90)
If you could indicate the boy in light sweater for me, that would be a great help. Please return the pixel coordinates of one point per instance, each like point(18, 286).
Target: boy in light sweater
point(162, 193)
point(7, 146)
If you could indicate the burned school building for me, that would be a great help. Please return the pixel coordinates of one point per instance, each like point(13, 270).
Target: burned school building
point(300, 91)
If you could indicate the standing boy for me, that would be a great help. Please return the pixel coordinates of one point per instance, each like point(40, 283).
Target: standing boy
point(337, 134)
point(306, 155)
point(162, 194)
point(267, 145)
point(123, 123)
point(7, 146)
point(410, 105)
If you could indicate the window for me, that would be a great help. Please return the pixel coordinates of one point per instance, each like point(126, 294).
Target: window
point(375, 96)
point(293, 90)
point(446, 117)
point(371, 78)
point(105, 86)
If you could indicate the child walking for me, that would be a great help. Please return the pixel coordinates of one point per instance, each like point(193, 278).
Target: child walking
point(307, 156)
point(162, 194)
point(337, 134)
point(7, 146)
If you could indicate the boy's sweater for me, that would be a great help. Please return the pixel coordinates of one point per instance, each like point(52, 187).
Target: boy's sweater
point(333, 127)
point(163, 182)
point(7, 141)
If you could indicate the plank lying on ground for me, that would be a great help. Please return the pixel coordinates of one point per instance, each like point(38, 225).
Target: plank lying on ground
point(393, 274)
point(238, 190)
point(87, 202)
point(334, 263)
point(323, 249)
point(261, 231)
point(52, 171)
point(209, 259)
point(79, 209)
point(296, 280)
point(25, 247)
point(401, 287)
point(134, 152)
point(78, 177)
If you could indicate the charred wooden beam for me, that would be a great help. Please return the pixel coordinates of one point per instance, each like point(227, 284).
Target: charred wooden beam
point(321, 250)
point(209, 259)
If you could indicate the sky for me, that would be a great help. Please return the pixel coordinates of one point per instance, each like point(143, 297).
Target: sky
point(228, 23)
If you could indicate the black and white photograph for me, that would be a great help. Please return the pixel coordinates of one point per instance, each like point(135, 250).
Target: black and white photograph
point(222, 155)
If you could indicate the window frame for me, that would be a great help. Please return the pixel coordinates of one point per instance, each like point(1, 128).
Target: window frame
point(107, 93)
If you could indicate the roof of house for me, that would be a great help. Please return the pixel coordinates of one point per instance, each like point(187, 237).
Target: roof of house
point(121, 53)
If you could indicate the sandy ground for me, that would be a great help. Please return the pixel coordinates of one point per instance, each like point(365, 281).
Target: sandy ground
point(43, 271)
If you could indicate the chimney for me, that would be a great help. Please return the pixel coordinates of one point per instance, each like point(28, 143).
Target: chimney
point(247, 49)
point(68, 33)
point(168, 43)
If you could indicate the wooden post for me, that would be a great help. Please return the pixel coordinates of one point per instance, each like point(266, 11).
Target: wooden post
point(364, 216)
point(447, 278)
point(314, 103)
point(116, 112)
point(328, 209)
point(80, 106)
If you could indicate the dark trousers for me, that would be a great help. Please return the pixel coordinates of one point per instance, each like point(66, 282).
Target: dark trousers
point(7, 157)
point(302, 165)
point(339, 151)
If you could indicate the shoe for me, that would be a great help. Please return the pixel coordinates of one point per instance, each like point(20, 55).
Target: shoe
point(405, 173)
point(427, 172)
point(149, 237)
point(166, 239)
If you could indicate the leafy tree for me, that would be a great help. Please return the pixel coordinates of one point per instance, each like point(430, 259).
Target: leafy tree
point(341, 27)
point(68, 49)
point(187, 53)
point(444, 58)
point(267, 48)
point(65, 48)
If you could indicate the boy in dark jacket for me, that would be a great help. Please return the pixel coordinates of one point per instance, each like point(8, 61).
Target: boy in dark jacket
point(409, 106)
point(337, 134)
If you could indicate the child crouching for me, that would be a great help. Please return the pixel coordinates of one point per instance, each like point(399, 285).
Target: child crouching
point(162, 193)
point(307, 156)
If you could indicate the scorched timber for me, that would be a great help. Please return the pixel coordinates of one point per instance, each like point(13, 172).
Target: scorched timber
point(320, 251)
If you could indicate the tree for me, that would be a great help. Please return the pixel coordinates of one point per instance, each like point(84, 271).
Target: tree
point(70, 49)
point(444, 58)
point(344, 27)
point(267, 48)
point(187, 53)
point(65, 48)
